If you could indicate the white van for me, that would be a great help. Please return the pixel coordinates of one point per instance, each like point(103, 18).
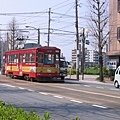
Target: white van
point(117, 78)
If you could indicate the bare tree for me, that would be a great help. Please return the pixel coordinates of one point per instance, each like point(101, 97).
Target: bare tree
point(98, 23)
point(13, 34)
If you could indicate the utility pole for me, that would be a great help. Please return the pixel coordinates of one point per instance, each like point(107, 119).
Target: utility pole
point(77, 41)
point(83, 53)
point(38, 36)
point(49, 27)
point(7, 42)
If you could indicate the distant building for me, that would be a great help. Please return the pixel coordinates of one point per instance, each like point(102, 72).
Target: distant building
point(3, 48)
point(74, 56)
point(91, 57)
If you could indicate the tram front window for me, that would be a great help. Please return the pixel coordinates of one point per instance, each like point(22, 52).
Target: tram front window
point(49, 59)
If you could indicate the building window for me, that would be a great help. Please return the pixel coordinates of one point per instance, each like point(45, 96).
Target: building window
point(118, 33)
point(119, 6)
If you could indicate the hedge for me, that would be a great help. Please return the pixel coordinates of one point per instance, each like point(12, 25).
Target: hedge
point(8, 112)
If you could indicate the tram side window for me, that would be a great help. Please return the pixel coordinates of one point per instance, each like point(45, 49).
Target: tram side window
point(15, 58)
point(40, 57)
point(27, 57)
point(12, 58)
point(32, 57)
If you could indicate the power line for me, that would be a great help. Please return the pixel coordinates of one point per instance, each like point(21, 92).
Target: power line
point(59, 5)
point(21, 13)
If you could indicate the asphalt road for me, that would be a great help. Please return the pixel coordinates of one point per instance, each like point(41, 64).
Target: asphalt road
point(64, 101)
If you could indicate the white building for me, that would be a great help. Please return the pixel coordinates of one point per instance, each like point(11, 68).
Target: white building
point(91, 57)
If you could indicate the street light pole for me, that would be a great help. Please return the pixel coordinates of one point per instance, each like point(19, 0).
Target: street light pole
point(38, 29)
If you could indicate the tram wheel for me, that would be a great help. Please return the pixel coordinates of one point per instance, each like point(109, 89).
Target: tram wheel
point(27, 77)
point(32, 79)
point(12, 76)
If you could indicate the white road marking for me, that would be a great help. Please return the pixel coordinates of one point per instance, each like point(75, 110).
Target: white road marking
point(76, 101)
point(58, 96)
point(114, 89)
point(30, 90)
point(100, 87)
point(21, 88)
point(89, 92)
point(43, 93)
point(8, 85)
point(99, 106)
point(87, 85)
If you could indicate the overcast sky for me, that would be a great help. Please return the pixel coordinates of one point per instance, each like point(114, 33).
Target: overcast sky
point(35, 14)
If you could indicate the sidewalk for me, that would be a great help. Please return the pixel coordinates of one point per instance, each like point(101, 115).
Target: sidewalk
point(88, 78)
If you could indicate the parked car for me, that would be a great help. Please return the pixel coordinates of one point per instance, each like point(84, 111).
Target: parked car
point(117, 78)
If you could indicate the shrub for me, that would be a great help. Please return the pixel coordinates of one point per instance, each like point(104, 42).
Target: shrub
point(92, 71)
point(72, 72)
point(8, 112)
point(111, 72)
point(98, 78)
point(105, 71)
point(112, 78)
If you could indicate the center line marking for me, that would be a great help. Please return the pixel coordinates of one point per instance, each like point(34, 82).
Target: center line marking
point(114, 89)
point(21, 88)
point(7, 85)
point(90, 92)
point(86, 85)
point(99, 106)
point(30, 90)
point(57, 96)
point(76, 101)
point(43, 93)
point(100, 87)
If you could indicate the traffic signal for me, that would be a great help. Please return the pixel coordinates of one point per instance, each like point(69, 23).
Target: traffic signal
point(87, 42)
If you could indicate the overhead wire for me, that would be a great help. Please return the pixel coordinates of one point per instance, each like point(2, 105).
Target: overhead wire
point(58, 32)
